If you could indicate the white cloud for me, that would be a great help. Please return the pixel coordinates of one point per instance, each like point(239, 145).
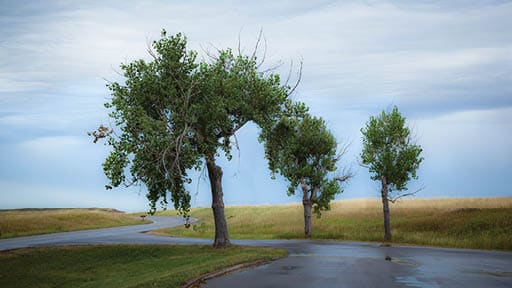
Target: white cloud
point(364, 41)
point(52, 144)
point(445, 62)
point(474, 143)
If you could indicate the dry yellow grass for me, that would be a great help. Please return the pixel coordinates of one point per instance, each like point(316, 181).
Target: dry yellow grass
point(24, 222)
point(414, 206)
point(458, 222)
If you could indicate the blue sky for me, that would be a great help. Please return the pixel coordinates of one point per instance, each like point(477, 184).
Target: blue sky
point(447, 65)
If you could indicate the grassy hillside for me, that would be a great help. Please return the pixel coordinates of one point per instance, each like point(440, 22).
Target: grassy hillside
point(24, 222)
point(480, 223)
point(115, 266)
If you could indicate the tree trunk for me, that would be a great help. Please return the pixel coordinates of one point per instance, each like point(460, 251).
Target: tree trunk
point(221, 227)
point(307, 203)
point(385, 206)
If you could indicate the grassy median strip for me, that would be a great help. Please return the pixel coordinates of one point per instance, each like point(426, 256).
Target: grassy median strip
point(25, 222)
point(479, 223)
point(120, 265)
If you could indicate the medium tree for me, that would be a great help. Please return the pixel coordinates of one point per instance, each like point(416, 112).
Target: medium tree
point(391, 158)
point(303, 150)
point(174, 114)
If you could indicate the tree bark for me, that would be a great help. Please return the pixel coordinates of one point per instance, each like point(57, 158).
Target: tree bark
point(308, 204)
point(221, 227)
point(385, 206)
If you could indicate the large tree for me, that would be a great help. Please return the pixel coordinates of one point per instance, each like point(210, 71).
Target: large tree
point(174, 113)
point(391, 158)
point(304, 151)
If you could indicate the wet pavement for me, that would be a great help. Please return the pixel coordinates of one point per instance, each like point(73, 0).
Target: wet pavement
point(355, 264)
point(318, 263)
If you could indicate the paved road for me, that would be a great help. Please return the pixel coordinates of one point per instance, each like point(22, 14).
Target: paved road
point(125, 234)
point(319, 263)
point(353, 264)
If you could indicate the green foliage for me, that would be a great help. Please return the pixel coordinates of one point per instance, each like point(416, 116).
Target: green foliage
point(173, 112)
point(121, 266)
point(302, 150)
point(148, 110)
point(388, 151)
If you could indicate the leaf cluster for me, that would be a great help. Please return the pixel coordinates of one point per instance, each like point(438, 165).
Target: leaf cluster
point(174, 112)
point(388, 151)
point(303, 150)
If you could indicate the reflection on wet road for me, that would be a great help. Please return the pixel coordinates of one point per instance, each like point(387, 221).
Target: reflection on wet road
point(354, 264)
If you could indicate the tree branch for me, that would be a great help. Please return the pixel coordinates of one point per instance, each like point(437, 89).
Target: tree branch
point(150, 50)
point(298, 79)
point(264, 53)
point(393, 200)
point(343, 150)
point(343, 178)
point(253, 55)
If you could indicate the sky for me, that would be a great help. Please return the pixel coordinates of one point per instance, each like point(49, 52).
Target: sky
point(447, 65)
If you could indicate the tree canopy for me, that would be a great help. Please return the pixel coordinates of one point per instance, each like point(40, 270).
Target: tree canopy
point(304, 151)
point(174, 113)
point(388, 150)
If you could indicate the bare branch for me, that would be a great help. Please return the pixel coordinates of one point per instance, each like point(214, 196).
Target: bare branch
point(150, 50)
point(394, 199)
point(264, 53)
point(273, 68)
point(213, 57)
point(253, 56)
point(239, 42)
point(133, 182)
point(236, 145)
point(343, 178)
point(289, 73)
point(116, 71)
point(346, 174)
point(298, 79)
point(343, 150)
point(106, 80)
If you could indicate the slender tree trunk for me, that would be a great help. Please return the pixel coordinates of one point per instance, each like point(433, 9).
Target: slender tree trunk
point(385, 206)
point(221, 227)
point(307, 203)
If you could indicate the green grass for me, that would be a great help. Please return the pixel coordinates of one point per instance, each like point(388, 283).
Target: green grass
point(25, 222)
point(120, 265)
point(479, 223)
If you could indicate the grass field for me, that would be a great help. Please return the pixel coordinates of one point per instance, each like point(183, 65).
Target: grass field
point(120, 265)
point(479, 223)
point(24, 222)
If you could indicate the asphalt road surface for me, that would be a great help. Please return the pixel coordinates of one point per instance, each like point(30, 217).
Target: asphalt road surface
point(355, 264)
point(132, 234)
point(318, 263)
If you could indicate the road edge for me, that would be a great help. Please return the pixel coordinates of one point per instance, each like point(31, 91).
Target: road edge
point(200, 280)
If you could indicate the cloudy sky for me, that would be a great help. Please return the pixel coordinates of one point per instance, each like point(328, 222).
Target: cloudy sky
point(447, 65)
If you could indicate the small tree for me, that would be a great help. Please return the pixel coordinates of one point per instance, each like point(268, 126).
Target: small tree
point(302, 150)
point(390, 157)
point(174, 114)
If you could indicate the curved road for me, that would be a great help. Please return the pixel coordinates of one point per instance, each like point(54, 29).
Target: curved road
point(319, 263)
point(133, 234)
